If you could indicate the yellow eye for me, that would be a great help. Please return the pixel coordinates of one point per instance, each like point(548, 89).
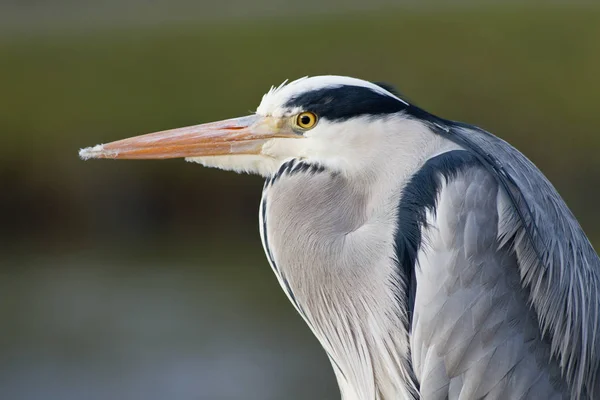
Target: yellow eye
point(306, 120)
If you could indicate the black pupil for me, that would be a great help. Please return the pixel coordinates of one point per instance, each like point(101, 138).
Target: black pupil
point(305, 120)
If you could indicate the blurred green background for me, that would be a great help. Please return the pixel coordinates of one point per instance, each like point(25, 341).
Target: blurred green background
point(147, 280)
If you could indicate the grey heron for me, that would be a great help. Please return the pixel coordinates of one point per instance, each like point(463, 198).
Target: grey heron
point(429, 257)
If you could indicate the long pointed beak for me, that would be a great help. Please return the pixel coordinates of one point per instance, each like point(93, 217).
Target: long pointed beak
point(244, 135)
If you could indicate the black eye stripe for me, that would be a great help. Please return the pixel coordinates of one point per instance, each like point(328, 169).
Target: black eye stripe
point(345, 102)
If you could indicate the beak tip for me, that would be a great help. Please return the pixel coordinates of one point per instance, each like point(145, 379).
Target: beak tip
point(97, 151)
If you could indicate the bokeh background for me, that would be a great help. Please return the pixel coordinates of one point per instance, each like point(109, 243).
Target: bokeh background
point(147, 280)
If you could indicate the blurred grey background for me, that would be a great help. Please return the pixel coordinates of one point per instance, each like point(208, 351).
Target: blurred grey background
point(147, 280)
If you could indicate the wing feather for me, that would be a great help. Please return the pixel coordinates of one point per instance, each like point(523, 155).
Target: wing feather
point(474, 333)
point(557, 262)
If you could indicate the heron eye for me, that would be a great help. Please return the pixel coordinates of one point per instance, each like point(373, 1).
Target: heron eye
point(306, 120)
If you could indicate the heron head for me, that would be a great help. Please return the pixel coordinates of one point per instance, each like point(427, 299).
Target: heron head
point(331, 120)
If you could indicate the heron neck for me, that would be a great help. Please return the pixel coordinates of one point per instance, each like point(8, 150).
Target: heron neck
point(330, 239)
point(318, 225)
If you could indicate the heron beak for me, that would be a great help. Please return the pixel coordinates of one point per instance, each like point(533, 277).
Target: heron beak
point(244, 135)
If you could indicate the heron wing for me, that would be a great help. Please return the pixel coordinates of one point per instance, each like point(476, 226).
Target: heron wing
point(506, 281)
point(473, 333)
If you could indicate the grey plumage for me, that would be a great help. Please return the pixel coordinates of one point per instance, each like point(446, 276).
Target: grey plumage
point(473, 332)
point(557, 263)
point(430, 258)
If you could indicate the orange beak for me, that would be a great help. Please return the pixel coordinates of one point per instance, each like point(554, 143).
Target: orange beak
point(244, 135)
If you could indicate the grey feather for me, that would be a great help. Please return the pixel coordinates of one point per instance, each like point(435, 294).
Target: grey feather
point(556, 261)
point(349, 304)
point(474, 335)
